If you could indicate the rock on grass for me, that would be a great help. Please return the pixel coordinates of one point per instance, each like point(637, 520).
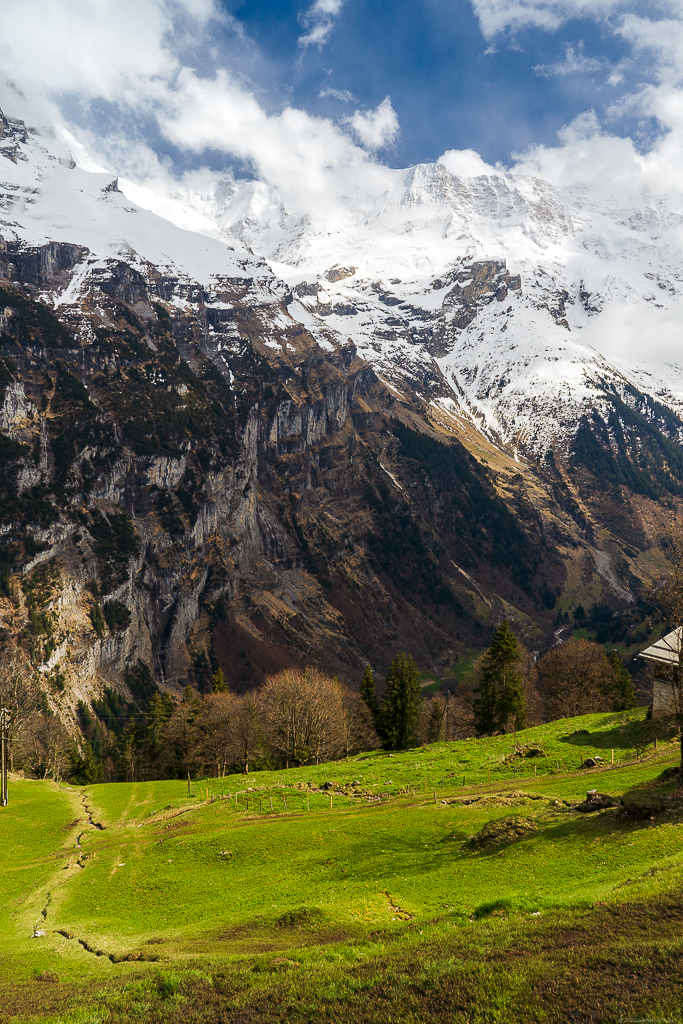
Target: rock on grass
point(504, 831)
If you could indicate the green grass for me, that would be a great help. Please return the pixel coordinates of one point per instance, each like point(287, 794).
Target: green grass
point(463, 668)
point(209, 908)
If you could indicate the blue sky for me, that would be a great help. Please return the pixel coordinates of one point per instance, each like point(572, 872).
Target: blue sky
point(447, 86)
point(320, 98)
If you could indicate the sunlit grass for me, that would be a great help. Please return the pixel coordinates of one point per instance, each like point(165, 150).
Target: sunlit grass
point(198, 882)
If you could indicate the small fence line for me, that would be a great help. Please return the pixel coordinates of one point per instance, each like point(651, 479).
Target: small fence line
point(248, 803)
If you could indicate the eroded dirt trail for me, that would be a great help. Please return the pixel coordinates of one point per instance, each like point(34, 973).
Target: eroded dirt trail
point(73, 866)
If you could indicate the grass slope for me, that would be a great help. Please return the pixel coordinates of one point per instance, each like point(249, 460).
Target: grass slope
point(376, 909)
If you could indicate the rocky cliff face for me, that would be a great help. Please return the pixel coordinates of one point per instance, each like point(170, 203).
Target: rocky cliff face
point(178, 491)
point(200, 467)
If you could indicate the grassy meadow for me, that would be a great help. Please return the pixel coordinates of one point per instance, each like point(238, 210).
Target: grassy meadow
point(454, 882)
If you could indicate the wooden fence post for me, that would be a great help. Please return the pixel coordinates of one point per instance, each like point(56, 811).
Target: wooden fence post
point(271, 803)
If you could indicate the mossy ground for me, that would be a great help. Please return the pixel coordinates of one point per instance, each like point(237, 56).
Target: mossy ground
point(371, 911)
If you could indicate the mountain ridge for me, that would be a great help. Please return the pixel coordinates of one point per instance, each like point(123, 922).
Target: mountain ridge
point(212, 458)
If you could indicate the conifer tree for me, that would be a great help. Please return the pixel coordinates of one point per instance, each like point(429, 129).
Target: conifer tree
point(499, 701)
point(220, 683)
point(400, 707)
point(159, 710)
point(368, 695)
point(623, 689)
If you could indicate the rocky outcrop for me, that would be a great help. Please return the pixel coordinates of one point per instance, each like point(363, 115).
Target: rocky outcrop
point(192, 480)
point(475, 286)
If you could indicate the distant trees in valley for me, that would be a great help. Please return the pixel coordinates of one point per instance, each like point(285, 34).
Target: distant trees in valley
point(299, 716)
point(509, 689)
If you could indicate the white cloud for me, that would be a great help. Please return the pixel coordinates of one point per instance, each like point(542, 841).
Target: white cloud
point(107, 49)
point(313, 165)
point(498, 15)
point(338, 94)
point(589, 155)
point(319, 21)
point(375, 128)
point(69, 54)
point(575, 63)
point(465, 163)
point(64, 52)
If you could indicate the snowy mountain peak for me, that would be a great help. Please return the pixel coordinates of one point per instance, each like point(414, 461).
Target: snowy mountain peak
point(516, 303)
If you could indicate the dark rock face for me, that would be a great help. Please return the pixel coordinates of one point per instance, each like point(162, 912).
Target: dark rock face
point(12, 134)
point(477, 285)
point(45, 266)
point(177, 490)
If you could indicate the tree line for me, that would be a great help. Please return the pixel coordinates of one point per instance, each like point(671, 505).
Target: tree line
point(300, 716)
point(510, 689)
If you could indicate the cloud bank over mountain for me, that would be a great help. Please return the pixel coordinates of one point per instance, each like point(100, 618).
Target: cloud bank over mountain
point(162, 102)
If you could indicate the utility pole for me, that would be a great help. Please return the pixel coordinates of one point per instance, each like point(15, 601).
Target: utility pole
point(4, 751)
point(448, 702)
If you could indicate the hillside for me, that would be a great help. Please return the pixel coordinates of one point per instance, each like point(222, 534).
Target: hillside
point(212, 457)
point(381, 888)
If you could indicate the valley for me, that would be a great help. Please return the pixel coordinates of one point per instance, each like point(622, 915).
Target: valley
point(453, 875)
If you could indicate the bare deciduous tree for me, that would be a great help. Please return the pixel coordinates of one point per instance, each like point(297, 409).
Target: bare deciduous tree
point(576, 678)
point(214, 728)
point(303, 716)
point(20, 695)
point(247, 732)
point(45, 747)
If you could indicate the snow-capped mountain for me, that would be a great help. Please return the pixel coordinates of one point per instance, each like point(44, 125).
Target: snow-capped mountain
point(500, 296)
point(222, 419)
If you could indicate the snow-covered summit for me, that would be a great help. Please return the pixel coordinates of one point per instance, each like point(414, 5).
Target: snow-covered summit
point(499, 297)
point(46, 197)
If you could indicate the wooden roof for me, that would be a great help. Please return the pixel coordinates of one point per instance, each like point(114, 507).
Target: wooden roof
point(668, 649)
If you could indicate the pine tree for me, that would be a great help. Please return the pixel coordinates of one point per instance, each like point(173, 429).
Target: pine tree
point(499, 701)
point(624, 692)
point(400, 707)
point(159, 710)
point(220, 683)
point(368, 695)
point(85, 769)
